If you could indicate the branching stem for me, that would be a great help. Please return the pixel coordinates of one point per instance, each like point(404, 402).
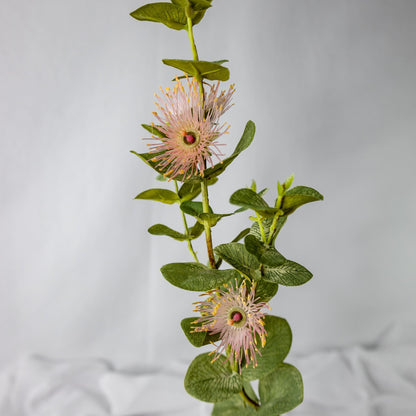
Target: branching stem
point(204, 184)
point(207, 227)
point(185, 223)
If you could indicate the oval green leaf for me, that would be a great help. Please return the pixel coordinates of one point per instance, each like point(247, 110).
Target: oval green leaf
point(232, 407)
point(266, 255)
point(193, 208)
point(287, 274)
point(237, 256)
point(158, 194)
point(211, 218)
point(200, 69)
point(211, 381)
point(153, 130)
point(189, 190)
point(197, 339)
point(245, 141)
point(196, 276)
point(278, 343)
point(196, 230)
point(247, 198)
point(280, 391)
point(266, 290)
point(298, 196)
point(169, 14)
point(160, 229)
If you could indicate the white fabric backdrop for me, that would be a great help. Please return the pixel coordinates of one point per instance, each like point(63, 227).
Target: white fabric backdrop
point(331, 87)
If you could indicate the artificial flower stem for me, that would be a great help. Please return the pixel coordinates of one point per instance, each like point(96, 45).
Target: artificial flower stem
point(204, 185)
point(195, 56)
point(243, 393)
point(191, 40)
point(277, 205)
point(247, 400)
point(260, 223)
point(185, 223)
point(207, 227)
point(273, 228)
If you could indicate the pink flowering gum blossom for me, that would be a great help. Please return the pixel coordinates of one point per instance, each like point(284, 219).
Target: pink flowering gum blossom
point(237, 316)
point(191, 127)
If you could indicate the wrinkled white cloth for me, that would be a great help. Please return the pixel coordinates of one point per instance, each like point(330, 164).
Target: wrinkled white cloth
point(373, 380)
point(37, 386)
point(153, 393)
point(376, 380)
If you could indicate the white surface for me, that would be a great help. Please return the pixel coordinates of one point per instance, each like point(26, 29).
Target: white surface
point(376, 380)
point(331, 87)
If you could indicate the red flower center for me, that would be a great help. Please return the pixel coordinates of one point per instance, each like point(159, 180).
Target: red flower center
point(237, 317)
point(189, 138)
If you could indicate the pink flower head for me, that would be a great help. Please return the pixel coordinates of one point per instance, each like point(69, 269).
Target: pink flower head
point(191, 128)
point(237, 316)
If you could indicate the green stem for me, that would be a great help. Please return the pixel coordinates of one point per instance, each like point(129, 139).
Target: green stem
point(204, 185)
point(260, 223)
point(247, 400)
point(207, 228)
point(277, 205)
point(185, 223)
point(243, 393)
point(191, 39)
point(195, 57)
point(272, 229)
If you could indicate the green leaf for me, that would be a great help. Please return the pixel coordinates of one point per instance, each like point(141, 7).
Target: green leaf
point(278, 342)
point(180, 3)
point(169, 14)
point(193, 208)
point(246, 138)
point(160, 229)
point(287, 274)
point(280, 391)
point(189, 190)
point(298, 196)
point(196, 230)
point(266, 255)
point(248, 389)
point(261, 193)
point(200, 5)
point(241, 235)
point(149, 159)
point(195, 4)
point(200, 69)
point(153, 130)
point(160, 195)
point(211, 218)
point(255, 230)
point(197, 339)
point(245, 141)
point(265, 290)
point(161, 178)
point(232, 407)
point(211, 381)
point(196, 276)
point(237, 256)
point(247, 198)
